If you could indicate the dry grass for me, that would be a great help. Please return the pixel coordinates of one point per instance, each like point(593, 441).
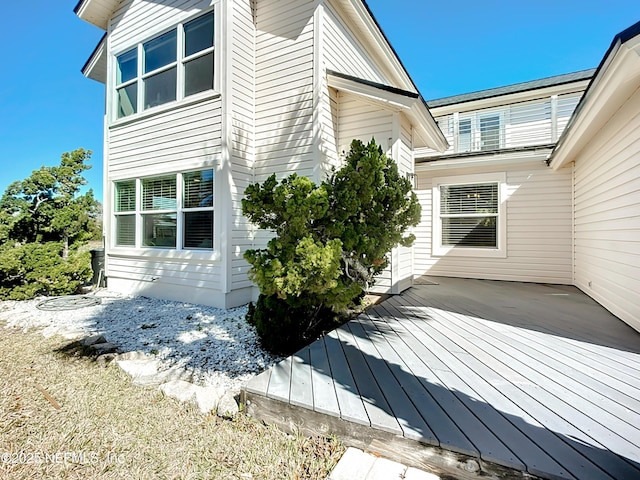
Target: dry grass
point(64, 416)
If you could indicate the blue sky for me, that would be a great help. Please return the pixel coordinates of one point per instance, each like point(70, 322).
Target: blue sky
point(47, 107)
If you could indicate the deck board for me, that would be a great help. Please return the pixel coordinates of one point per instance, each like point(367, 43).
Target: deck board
point(280, 381)
point(325, 399)
point(301, 384)
point(537, 378)
point(378, 409)
point(408, 416)
point(350, 404)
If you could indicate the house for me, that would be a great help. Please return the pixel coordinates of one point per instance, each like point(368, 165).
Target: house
point(601, 147)
point(204, 97)
point(531, 191)
point(535, 182)
point(491, 207)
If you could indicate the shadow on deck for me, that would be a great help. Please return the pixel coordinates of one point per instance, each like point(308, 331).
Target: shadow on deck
point(471, 377)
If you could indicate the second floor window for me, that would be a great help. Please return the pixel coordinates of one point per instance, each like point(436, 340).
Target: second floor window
point(169, 67)
point(479, 132)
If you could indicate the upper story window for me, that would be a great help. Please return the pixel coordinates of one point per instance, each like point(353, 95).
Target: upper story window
point(166, 68)
point(517, 125)
point(479, 132)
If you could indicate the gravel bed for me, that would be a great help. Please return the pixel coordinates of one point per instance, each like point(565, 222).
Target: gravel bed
point(216, 347)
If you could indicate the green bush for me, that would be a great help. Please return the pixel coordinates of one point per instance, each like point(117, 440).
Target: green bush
point(33, 269)
point(331, 240)
point(284, 329)
point(44, 219)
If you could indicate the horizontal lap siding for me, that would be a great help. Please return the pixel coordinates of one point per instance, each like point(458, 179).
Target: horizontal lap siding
point(538, 230)
point(607, 215)
point(343, 52)
point(167, 270)
point(284, 88)
point(405, 165)
point(242, 135)
point(136, 19)
point(176, 140)
point(361, 121)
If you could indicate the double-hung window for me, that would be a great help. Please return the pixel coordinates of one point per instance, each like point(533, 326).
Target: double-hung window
point(469, 216)
point(170, 211)
point(169, 67)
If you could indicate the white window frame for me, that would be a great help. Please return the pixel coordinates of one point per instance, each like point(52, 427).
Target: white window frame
point(439, 250)
point(179, 64)
point(475, 118)
point(180, 210)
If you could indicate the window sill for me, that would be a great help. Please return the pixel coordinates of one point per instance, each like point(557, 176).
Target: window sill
point(469, 252)
point(164, 254)
point(167, 107)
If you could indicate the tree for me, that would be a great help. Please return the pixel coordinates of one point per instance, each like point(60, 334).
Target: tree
point(331, 240)
point(43, 220)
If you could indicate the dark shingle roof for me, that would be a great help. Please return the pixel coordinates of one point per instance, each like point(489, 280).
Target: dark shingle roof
point(516, 88)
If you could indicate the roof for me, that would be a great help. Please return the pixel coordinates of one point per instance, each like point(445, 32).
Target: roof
point(515, 88)
point(614, 81)
point(394, 99)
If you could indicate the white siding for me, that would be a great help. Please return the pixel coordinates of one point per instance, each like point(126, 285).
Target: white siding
point(522, 124)
point(362, 121)
point(405, 162)
point(174, 139)
point(343, 52)
point(607, 215)
point(137, 20)
point(171, 141)
point(242, 84)
point(284, 88)
point(539, 233)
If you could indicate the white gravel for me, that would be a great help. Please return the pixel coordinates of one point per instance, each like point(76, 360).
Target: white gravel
point(216, 347)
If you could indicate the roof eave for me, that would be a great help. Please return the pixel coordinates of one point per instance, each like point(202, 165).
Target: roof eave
point(96, 12)
point(95, 67)
point(615, 80)
point(394, 99)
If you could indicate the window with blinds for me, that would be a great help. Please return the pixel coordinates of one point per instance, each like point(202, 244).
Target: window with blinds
point(469, 214)
point(124, 208)
point(173, 211)
point(198, 209)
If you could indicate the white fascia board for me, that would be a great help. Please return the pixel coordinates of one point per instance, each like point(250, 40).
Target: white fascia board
point(96, 12)
point(411, 105)
point(393, 101)
point(96, 66)
point(538, 156)
point(426, 128)
point(617, 79)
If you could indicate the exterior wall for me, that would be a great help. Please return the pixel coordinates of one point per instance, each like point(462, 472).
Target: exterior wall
point(185, 136)
point(607, 215)
point(285, 140)
point(241, 118)
point(538, 223)
point(343, 52)
point(522, 124)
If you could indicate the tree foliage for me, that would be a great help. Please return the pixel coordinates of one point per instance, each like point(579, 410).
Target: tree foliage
point(43, 221)
point(330, 241)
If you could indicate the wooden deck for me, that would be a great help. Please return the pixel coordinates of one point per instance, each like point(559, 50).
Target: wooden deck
point(466, 376)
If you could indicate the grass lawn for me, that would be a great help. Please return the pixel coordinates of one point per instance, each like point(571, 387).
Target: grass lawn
point(64, 416)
